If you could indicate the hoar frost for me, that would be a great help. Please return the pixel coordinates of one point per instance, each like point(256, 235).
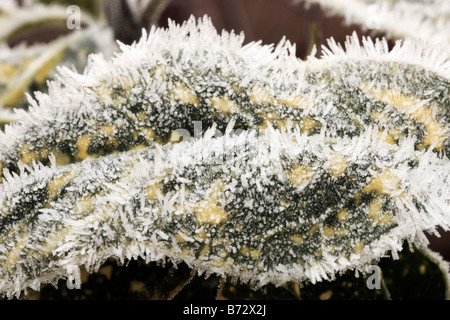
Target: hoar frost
point(323, 165)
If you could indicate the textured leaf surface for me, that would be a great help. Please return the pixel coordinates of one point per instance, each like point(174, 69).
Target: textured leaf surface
point(262, 209)
point(340, 159)
point(170, 85)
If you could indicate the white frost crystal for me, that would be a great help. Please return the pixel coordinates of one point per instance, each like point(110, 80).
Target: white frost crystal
point(323, 166)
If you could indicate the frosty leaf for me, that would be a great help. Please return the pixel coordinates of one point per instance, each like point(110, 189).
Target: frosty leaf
point(185, 78)
point(26, 69)
point(262, 209)
point(362, 165)
point(417, 19)
point(16, 21)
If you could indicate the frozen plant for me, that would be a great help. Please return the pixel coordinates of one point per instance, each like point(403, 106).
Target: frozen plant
point(339, 160)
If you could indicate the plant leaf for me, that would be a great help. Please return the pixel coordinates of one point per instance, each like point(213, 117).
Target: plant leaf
point(340, 160)
point(202, 202)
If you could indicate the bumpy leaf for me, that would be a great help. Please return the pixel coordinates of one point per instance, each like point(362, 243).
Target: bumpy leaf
point(260, 209)
point(340, 159)
point(427, 20)
point(172, 84)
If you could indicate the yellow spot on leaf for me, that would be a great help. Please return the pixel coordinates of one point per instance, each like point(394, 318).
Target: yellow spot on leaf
point(328, 232)
point(55, 239)
point(61, 158)
point(141, 116)
point(342, 215)
point(151, 192)
point(300, 175)
point(224, 105)
point(337, 164)
point(295, 101)
point(359, 247)
point(55, 185)
point(385, 183)
point(14, 253)
point(308, 124)
point(27, 156)
point(388, 138)
point(205, 250)
point(183, 94)
point(435, 132)
point(7, 71)
point(209, 212)
point(253, 253)
point(331, 232)
point(297, 239)
point(314, 228)
point(82, 144)
point(376, 213)
point(108, 130)
point(422, 269)
point(260, 96)
point(84, 205)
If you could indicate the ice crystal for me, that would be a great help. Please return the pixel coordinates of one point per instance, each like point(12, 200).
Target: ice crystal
point(309, 168)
